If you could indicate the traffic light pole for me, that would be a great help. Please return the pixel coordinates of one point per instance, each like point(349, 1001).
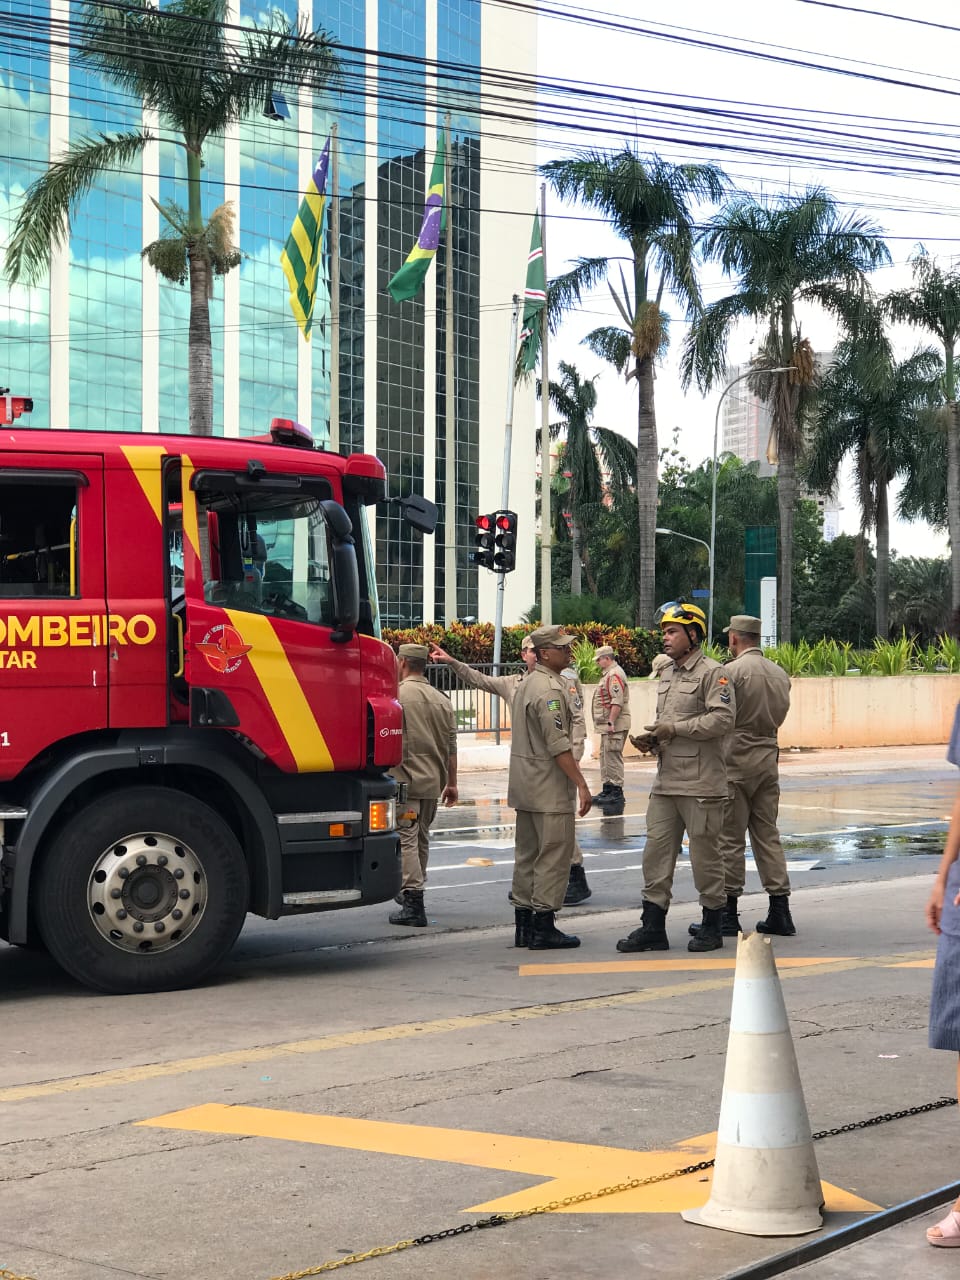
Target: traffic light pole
point(505, 499)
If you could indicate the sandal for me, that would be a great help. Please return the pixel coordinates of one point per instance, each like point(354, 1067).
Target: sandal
point(949, 1228)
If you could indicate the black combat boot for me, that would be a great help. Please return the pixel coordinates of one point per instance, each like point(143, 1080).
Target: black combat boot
point(779, 919)
point(612, 804)
point(547, 937)
point(412, 912)
point(577, 888)
point(602, 794)
point(730, 926)
point(709, 937)
point(652, 934)
point(523, 919)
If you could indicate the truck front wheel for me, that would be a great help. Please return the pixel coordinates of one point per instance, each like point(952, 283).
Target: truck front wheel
point(143, 890)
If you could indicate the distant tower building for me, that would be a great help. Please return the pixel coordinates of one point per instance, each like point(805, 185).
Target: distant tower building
point(745, 425)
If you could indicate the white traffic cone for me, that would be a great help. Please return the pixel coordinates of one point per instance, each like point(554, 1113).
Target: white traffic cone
point(765, 1179)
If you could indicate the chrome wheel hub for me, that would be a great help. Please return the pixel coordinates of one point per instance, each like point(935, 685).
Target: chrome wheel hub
point(147, 892)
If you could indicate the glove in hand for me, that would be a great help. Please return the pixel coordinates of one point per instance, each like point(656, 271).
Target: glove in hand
point(645, 743)
point(662, 731)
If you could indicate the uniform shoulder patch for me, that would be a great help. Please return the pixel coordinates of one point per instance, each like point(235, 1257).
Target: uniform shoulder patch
point(553, 704)
point(723, 680)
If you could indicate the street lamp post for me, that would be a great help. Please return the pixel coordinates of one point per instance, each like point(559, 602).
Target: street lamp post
point(675, 533)
point(713, 483)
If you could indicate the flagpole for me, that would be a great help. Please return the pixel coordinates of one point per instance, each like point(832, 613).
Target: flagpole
point(505, 493)
point(546, 532)
point(449, 417)
point(334, 292)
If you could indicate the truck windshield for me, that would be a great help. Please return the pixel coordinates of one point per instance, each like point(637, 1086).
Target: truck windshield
point(270, 555)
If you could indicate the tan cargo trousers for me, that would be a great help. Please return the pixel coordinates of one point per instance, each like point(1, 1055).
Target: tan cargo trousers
point(415, 841)
point(753, 805)
point(667, 819)
point(541, 869)
point(611, 758)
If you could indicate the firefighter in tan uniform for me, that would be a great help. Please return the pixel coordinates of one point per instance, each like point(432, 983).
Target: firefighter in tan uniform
point(428, 767)
point(611, 719)
point(505, 687)
point(696, 707)
point(762, 692)
point(544, 780)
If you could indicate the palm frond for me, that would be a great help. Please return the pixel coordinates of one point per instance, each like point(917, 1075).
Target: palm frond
point(43, 218)
point(611, 344)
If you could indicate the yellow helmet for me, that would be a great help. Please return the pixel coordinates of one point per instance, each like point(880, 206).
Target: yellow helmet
point(684, 615)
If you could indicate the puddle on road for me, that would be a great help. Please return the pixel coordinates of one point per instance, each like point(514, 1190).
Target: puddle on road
point(867, 846)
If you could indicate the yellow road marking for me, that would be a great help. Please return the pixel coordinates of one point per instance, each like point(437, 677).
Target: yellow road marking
point(668, 966)
point(571, 1167)
point(915, 964)
point(407, 1031)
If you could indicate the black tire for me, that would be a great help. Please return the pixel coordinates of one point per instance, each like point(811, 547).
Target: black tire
point(187, 906)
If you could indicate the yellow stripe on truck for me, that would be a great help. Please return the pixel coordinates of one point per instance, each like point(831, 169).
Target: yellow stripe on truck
point(144, 460)
point(283, 691)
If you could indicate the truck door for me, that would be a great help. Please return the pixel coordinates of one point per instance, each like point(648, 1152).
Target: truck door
point(53, 615)
point(260, 656)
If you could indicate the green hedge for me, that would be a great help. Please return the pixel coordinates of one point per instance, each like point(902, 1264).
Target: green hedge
point(634, 646)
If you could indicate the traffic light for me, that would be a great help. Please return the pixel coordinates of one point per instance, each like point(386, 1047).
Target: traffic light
point(506, 558)
point(483, 541)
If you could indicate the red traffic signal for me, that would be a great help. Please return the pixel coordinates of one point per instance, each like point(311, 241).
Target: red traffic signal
point(505, 560)
point(483, 541)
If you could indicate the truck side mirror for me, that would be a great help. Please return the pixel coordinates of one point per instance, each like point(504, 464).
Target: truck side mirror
point(419, 512)
point(345, 575)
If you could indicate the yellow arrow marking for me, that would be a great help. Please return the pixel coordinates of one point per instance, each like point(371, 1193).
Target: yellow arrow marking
point(669, 966)
point(571, 1167)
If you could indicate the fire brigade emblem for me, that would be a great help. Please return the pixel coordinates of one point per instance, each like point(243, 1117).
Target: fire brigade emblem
point(223, 648)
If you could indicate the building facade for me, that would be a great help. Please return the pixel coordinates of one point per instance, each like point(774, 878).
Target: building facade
point(745, 426)
point(102, 341)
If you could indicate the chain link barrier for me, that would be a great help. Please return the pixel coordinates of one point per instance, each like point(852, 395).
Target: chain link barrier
point(551, 1206)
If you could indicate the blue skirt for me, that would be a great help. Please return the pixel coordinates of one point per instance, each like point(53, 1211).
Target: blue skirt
point(945, 998)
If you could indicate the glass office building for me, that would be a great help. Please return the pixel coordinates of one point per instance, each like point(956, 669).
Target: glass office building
point(102, 341)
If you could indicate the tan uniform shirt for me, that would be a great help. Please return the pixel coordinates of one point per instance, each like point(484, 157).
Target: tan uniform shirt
point(762, 692)
point(541, 725)
point(611, 691)
point(697, 698)
point(429, 739)
point(506, 686)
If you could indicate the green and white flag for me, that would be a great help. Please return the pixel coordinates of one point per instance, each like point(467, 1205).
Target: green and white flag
point(408, 281)
point(301, 255)
point(534, 300)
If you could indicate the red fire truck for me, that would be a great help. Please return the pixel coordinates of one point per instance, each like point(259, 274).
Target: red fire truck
point(197, 714)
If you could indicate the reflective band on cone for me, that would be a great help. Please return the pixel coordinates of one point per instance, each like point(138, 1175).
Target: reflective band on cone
point(765, 1179)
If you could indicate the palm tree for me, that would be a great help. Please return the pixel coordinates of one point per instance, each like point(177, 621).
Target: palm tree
point(647, 203)
point(596, 461)
point(934, 304)
point(783, 253)
point(199, 78)
point(868, 405)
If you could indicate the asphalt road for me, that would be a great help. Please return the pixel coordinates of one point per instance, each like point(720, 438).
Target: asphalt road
point(343, 1084)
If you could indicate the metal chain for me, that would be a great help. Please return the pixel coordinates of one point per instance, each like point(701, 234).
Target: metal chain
point(500, 1219)
point(12, 1275)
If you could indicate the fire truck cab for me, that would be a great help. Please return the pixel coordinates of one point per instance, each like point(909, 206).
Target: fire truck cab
point(197, 713)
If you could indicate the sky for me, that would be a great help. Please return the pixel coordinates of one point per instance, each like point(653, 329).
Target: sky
point(892, 162)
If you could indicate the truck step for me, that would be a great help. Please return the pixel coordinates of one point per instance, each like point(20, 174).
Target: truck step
point(317, 897)
point(11, 813)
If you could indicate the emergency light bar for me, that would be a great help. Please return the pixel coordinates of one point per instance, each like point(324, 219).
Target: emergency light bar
point(286, 431)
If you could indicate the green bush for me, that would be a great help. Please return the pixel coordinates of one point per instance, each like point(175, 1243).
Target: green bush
point(473, 643)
